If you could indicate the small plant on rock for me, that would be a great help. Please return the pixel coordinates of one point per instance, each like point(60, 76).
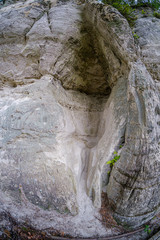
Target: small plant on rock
point(114, 160)
point(135, 35)
point(143, 12)
point(156, 14)
point(147, 229)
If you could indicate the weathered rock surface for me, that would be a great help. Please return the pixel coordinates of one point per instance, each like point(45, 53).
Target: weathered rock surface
point(149, 44)
point(74, 88)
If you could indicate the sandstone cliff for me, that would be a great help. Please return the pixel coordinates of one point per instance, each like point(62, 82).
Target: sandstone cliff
point(74, 88)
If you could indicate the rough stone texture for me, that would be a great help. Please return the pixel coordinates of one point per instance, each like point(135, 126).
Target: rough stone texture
point(149, 44)
point(156, 236)
point(74, 88)
point(135, 177)
point(133, 188)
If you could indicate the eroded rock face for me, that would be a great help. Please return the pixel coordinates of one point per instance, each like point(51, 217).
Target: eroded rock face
point(73, 90)
point(149, 44)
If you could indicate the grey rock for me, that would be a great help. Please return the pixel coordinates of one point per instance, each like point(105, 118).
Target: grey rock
point(149, 44)
point(73, 89)
point(155, 237)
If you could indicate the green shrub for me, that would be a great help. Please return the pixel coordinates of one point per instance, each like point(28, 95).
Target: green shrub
point(156, 14)
point(125, 9)
point(154, 4)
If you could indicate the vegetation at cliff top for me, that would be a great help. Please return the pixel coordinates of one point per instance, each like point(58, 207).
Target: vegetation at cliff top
point(131, 4)
point(127, 8)
point(154, 4)
point(156, 14)
point(124, 8)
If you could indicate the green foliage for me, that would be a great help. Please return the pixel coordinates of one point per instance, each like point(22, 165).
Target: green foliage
point(125, 9)
point(147, 229)
point(156, 14)
point(154, 4)
point(114, 160)
point(25, 229)
point(135, 35)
